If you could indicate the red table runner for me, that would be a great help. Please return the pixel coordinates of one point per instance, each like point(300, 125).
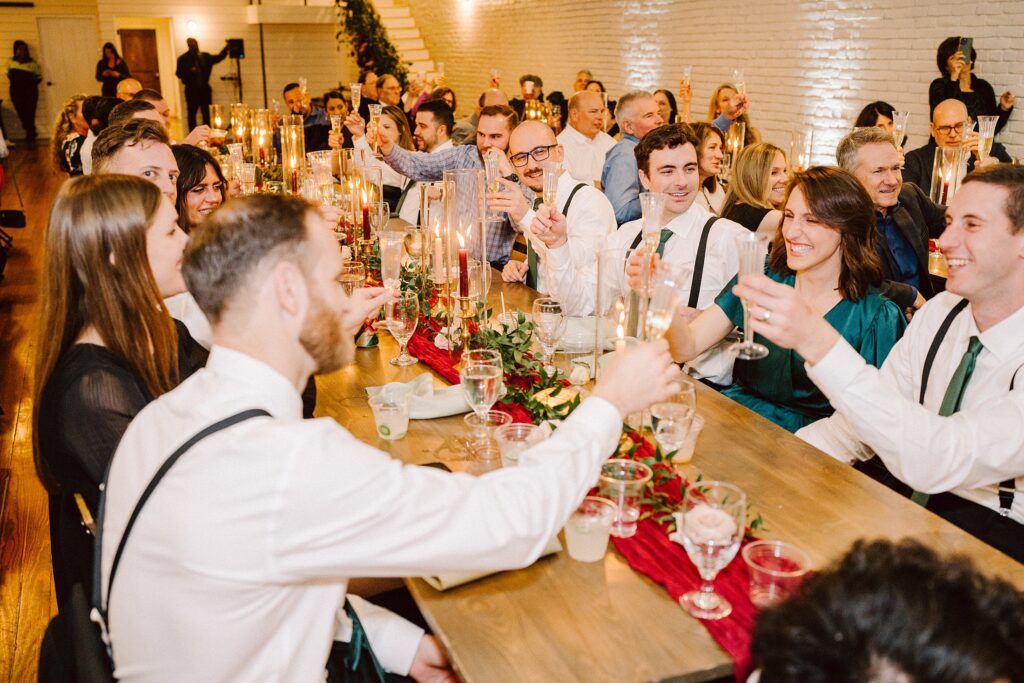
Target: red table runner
point(650, 551)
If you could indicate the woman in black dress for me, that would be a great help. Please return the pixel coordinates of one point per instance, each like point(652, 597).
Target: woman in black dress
point(107, 344)
point(757, 188)
point(110, 70)
point(958, 82)
point(24, 74)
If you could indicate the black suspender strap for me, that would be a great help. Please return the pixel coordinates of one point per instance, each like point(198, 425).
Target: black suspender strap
point(936, 343)
point(637, 239)
point(409, 185)
point(168, 464)
point(565, 209)
point(698, 266)
point(1007, 488)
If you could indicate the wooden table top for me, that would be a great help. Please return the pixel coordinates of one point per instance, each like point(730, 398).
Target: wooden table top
point(562, 620)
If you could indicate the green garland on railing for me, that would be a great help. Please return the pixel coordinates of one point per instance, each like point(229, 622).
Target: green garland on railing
point(361, 27)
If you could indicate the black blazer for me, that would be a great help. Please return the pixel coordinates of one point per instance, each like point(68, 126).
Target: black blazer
point(918, 219)
point(919, 163)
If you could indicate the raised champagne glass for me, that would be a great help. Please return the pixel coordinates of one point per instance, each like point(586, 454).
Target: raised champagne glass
point(752, 249)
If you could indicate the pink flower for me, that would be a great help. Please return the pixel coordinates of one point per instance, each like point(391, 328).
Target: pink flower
point(705, 524)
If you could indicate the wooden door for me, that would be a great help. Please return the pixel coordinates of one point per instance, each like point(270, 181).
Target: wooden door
point(68, 52)
point(138, 49)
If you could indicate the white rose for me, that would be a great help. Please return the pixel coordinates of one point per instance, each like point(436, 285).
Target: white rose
point(705, 524)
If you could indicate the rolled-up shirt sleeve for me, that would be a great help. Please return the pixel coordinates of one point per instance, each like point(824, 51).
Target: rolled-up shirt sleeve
point(394, 639)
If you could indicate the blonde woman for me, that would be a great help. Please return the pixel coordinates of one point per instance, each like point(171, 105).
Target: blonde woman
point(757, 188)
point(69, 133)
point(107, 345)
point(719, 105)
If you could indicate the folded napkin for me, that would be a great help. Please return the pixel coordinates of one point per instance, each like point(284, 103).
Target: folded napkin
point(426, 402)
point(443, 583)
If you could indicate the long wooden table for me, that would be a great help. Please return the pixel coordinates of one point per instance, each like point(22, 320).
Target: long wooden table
point(562, 620)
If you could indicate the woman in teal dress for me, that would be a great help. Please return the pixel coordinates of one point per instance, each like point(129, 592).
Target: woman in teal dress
point(825, 249)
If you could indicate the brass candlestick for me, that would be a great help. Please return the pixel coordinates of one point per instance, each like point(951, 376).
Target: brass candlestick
point(467, 308)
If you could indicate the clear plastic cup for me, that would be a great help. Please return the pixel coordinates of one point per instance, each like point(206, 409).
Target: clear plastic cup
point(685, 452)
point(776, 570)
point(483, 428)
point(391, 415)
point(587, 531)
point(622, 481)
point(515, 438)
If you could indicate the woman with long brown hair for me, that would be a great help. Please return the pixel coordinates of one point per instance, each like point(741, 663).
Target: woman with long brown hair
point(825, 249)
point(107, 345)
point(757, 188)
point(710, 155)
point(719, 103)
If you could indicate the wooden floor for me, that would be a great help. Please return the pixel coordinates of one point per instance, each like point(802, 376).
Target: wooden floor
point(26, 591)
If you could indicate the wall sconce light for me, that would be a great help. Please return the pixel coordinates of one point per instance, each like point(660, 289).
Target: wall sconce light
point(191, 25)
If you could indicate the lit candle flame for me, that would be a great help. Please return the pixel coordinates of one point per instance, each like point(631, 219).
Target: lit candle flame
point(461, 242)
point(620, 329)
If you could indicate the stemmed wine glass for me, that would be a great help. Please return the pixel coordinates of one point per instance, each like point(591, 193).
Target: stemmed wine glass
point(672, 419)
point(752, 249)
point(402, 316)
point(548, 324)
point(711, 525)
point(352, 276)
point(482, 379)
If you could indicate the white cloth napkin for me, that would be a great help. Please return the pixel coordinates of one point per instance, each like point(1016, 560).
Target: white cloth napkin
point(446, 581)
point(426, 402)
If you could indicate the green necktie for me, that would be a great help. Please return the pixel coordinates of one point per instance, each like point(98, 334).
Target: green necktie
point(665, 234)
point(955, 394)
point(531, 254)
point(634, 299)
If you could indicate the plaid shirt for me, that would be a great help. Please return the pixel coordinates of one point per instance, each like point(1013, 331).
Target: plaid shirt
point(424, 167)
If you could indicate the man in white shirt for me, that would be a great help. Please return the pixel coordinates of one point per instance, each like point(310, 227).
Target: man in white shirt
point(563, 240)
point(584, 140)
point(140, 147)
point(237, 568)
point(962, 436)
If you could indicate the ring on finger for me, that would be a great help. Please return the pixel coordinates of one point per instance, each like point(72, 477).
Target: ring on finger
point(766, 315)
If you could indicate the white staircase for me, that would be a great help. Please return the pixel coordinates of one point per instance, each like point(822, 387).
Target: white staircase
point(402, 30)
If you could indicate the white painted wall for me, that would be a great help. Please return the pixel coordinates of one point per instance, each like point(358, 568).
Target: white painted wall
point(807, 62)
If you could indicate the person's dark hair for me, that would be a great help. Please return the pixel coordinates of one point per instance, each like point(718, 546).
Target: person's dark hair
point(898, 609)
point(14, 52)
point(364, 74)
point(840, 202)
point(441, 113)
point(101, 113)
point(868, 116)
point(532, 77)
point(89, 108)
point(127, 110)
point(289, 87)
point(599, 84)
point(334, 95)
point(668, 136)
point(1011, 178)
point(192, 163)
point(116, 137)
point(501, 110)
point(110, 46)
point(439, 95)
point(703, 130)
point(148, 94)
point(227, 248)
point(673, 109)
point(947, 49)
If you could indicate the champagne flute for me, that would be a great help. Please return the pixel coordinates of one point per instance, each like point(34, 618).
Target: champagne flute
point(550, 192)
point(899, 126)
point(356, 93)
point(711, 526)
point(663, 301)
point(986, 135)
point(402, 316)
point(752, 249)
point(548, 325)
point(374, 125)
point(352, 277)
point(739, 81)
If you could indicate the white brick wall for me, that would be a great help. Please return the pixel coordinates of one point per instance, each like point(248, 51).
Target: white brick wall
point(807, 62)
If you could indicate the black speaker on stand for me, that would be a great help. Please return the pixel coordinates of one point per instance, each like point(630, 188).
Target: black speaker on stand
point(236, 51)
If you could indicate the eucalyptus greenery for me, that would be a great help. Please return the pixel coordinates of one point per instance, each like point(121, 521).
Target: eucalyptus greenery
point(360, 26)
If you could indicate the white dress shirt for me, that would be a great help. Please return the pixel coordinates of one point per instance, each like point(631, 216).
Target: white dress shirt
point(410, 210)
point(591, 219)
point(85, 154)
point(584, 158)
point(877, 411)
point(183, 307)
point(237, 568)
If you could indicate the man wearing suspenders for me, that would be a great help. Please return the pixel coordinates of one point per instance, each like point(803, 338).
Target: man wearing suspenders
point(945, 414)
point(560, 240)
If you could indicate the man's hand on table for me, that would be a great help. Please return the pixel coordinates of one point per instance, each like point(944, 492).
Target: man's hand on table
point(430, 664)
point(642, 375)
point(780, 314)
point(514, 271)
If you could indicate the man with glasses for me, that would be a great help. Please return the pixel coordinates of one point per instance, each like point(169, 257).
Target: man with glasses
point(564, 239)
point(636, 114)
point(493, 131)
point(584, 141)
point(947, 128)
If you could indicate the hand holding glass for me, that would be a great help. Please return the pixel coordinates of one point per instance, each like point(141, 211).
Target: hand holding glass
point(402, 316)
point(752, 249)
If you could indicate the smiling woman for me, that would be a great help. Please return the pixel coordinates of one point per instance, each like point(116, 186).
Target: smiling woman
point(825, 250)
point(201, 185)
